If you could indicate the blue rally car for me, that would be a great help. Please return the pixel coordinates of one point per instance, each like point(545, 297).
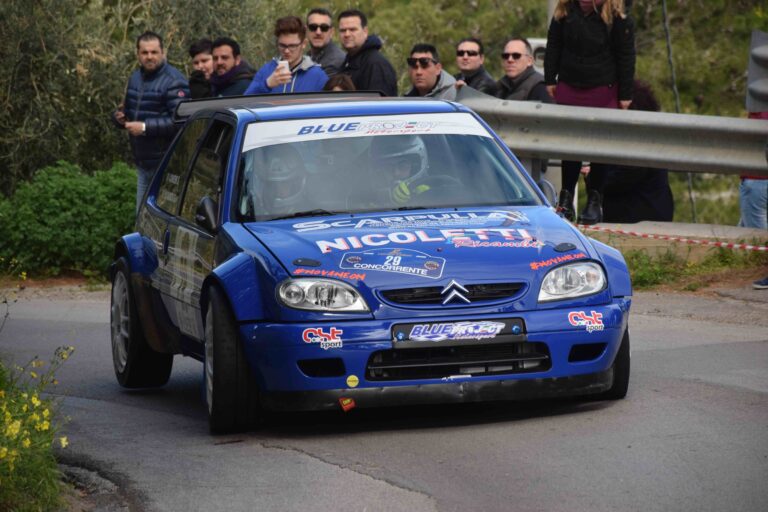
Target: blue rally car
point(338, 251)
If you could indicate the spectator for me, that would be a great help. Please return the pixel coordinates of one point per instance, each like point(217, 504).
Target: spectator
point(339, 82)
point(633, 194)
point(201, 53)
point(427, 75)
point(232, 73)
point(154, 90)
point(368, 68)
point(753, 194)
point(298, 73)
point(470, 57)
point(590, 62)
point(322, 49)
point(521, 81)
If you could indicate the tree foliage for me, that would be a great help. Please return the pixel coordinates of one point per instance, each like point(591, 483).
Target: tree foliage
point(67, 61)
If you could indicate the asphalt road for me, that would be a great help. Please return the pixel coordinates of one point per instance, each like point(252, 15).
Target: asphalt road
point(691, 435)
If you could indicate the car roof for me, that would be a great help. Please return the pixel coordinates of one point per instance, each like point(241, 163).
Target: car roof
point(312, 105)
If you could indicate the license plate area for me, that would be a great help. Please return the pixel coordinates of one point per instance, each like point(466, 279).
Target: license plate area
point(458, 333)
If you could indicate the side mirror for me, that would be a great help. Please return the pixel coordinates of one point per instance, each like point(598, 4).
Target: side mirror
point(206, 213)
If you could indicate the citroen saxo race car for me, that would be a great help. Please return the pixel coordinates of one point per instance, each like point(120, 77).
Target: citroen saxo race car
point(340, 251)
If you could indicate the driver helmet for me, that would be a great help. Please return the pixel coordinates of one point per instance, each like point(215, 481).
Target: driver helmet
point(402, 158)
point(283, 180)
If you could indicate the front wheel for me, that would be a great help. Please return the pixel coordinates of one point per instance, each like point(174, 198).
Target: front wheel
point(230, 389)
point(620, 367)
point(136, 364)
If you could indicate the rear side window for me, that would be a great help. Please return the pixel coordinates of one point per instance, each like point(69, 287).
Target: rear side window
point(173, 177)
point(205, 179)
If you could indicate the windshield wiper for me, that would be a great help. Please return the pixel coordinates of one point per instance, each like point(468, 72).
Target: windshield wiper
point(403, 208)
point(307, 213)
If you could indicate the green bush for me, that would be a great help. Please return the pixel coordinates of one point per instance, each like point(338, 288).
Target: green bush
point(66, 220)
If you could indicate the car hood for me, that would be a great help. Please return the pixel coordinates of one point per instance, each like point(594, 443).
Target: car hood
point(425, 247)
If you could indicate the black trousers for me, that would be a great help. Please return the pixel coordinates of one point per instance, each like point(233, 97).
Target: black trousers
point(570, 176)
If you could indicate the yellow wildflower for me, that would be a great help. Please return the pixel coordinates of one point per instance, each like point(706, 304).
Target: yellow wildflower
point(24, 408)
point(33, 375)
point(34, 417)
point(64, 441)
point(35, 401)
point(12, 430)
point(23, 276)
point(26, 443)
point(3, 452)
point(37, 363)
point(43, 426)
point(2, 393)
point(46, 412)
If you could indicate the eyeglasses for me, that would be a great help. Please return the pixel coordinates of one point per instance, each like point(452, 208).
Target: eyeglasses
point(424, 62)
point(282, 46)
point(514, 55)
point(469, 53)
point(314, 26)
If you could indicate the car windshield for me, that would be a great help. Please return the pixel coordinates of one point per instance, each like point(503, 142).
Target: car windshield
point(376, 163)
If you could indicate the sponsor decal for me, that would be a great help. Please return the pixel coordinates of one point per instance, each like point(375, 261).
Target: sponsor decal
point(400, 261)
point(520, 244)
point(592, 322)
point(512, 237)
point(347, 404)
point(375, 127)
point(355, 276)
point(535, 265)
point(330, 339)
point(353, 381)
point(455, 331)
point(432, 220)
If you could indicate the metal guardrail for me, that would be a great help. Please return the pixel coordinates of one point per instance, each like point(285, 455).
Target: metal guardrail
point(678, 142)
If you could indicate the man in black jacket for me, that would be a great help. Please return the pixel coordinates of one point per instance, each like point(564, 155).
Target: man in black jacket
point(154, 90)
point(521, 81)
point(231, 73)
point(368, 68)
point(470, 57)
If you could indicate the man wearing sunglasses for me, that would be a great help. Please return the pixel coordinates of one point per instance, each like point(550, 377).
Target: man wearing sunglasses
point(365, 64)
point(292, 71)
point(520, 81)
point(427, 75)
point(322, 49)
point(470, 57)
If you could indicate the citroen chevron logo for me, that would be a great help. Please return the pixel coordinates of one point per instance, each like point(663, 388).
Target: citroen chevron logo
point(453, 289)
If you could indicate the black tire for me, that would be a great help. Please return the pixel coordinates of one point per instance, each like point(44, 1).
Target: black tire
point(620, 368)
point(231, 392)
point(136, 364)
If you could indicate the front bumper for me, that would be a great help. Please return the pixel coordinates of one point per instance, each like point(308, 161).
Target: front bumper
point(277, 353)
point(446, 393)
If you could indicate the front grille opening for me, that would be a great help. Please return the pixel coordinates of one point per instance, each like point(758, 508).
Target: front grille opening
point(431, 294)
point(439, 362)
point(586, 352)
point(330, 367)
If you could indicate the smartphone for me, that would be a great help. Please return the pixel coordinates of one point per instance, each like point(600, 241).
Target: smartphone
point(282, 64)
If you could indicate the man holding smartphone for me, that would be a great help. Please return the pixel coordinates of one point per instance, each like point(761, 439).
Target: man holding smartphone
point(292, 71)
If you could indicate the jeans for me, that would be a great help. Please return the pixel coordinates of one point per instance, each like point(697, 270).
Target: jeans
point(753, 201)
point(142, 183)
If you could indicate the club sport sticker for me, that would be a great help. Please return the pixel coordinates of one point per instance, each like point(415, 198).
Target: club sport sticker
point(399, 261)
point(592, 322)
point(326, 340)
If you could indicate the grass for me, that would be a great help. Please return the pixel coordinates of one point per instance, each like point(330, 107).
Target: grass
point(671, 269)
point(29, 476)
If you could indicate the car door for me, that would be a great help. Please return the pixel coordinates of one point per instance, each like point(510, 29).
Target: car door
point(191, 246)
point(164, 209)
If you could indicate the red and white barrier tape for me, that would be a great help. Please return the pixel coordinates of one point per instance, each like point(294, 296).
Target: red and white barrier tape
point(726, 245)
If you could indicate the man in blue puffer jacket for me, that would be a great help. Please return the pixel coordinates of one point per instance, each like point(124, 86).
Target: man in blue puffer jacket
point(154, 90)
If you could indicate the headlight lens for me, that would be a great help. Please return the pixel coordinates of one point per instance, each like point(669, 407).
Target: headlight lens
point(574, 280)
point(320, 295)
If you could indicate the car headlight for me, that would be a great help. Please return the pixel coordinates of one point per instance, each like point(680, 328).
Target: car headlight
point(573, 280)
point(320, 295)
